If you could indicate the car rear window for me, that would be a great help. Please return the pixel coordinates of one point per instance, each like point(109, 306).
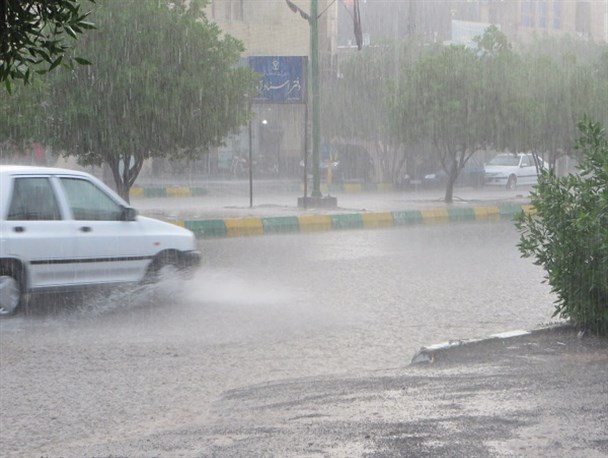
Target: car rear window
point(33, 198)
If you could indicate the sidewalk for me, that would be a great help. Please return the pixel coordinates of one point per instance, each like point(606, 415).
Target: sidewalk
point(545, 393)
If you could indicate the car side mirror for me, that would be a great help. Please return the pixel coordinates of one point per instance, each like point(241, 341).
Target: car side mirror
point(128, 214)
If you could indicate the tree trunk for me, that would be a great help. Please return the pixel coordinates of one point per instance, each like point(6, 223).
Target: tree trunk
point(449, 192)
point(125, 178)
point(449, 188)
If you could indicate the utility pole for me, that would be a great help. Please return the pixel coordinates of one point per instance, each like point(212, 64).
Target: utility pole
point(315, 199)
point(314, 65)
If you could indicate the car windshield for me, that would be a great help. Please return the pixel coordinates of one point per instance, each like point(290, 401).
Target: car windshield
point(505, 159)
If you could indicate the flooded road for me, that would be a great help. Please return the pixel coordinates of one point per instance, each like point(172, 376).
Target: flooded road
point(119, 367)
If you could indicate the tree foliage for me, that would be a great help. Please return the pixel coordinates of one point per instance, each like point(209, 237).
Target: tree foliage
point(568, 234)
point(35, 35)
point(357, 106)
point(22, 117)
point(443, 93)
point(164, 82)
point(465, 100)
point(558, 86)
point(493, 43)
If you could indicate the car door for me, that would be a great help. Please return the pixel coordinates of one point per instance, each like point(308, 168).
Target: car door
point(108, 248)
point(527, 170)
point(38, 233)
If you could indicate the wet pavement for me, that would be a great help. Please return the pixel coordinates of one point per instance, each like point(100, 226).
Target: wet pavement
point(147, 382)
point(542, 393)
point(539, 395)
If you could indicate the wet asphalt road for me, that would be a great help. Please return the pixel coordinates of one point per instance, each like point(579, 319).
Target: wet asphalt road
point(148, 372)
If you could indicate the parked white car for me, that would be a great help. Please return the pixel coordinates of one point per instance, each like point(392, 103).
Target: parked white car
point(62, 229)
point(510, 170)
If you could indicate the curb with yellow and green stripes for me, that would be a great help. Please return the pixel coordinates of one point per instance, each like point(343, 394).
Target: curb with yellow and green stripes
point(170, 191)
point(238, 227)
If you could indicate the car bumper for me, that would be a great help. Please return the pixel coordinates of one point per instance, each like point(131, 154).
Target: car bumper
point(501, 181)
point(190, 259)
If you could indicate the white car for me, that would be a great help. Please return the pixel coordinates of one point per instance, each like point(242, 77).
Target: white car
point(510, 170)
point(62, 229)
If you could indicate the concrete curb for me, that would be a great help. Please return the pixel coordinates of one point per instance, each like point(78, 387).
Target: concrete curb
point(428, 354)
point(237, 227)
point(166, 191)
point(431, 353)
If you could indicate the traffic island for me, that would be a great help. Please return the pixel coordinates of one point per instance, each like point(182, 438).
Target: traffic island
point(317, 202)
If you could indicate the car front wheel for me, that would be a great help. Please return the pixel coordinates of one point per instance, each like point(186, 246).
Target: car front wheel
point(511, 182)
point(164, 264)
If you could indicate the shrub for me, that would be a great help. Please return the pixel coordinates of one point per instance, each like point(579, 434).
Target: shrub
point(568, 233)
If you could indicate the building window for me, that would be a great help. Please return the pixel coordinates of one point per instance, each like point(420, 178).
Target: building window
point(227, 10)
point(557, 14)
point(542, 13)
point(527, 13)
point(583, 19)
point(234, 10)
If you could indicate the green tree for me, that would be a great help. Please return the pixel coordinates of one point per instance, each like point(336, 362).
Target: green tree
point(556, 90)
point(568, 234)
point(164, 82)
point(22, 117)
point(499, 89)
point(357, 108)
point(493, 43)
point(456, 99)
point(444, 96)
point(599, 93)
point(35, 35)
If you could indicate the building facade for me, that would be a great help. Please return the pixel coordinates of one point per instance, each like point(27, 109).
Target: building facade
point(277, 28)
point(273, 28)
point(520, 20)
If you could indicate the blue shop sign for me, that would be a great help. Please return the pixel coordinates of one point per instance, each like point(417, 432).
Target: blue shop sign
point(282, 78)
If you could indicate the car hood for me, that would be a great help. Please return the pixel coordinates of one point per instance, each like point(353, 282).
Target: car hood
point(162, 229)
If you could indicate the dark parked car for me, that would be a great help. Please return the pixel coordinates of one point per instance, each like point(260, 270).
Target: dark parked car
point(473, 174)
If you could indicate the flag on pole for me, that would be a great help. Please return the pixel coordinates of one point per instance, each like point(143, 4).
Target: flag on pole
point(357, 24)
